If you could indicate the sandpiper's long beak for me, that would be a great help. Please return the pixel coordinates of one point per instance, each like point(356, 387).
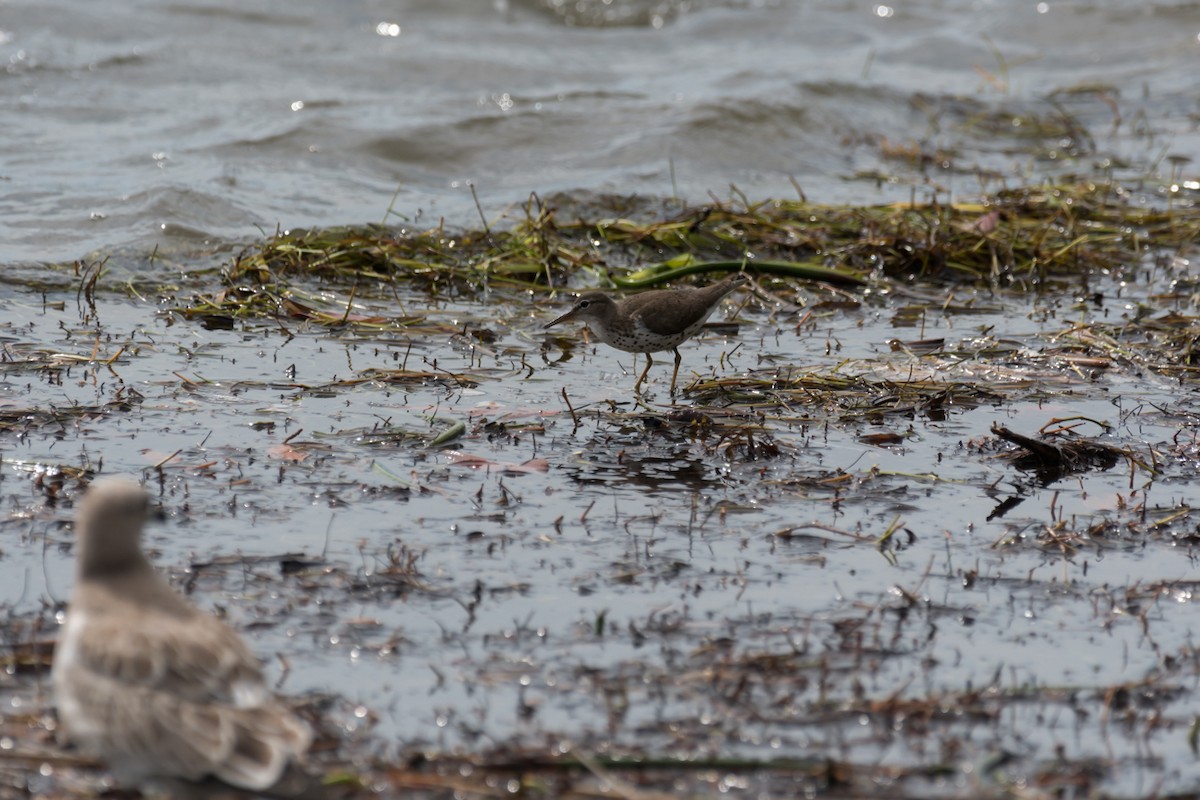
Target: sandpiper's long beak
point(565, 317)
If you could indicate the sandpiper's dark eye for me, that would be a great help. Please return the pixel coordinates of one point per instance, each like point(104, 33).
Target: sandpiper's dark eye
point(584, 303)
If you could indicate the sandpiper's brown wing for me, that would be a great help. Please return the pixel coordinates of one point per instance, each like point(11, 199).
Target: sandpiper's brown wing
point(192, 654)
point(667, 319)
point(182, 693)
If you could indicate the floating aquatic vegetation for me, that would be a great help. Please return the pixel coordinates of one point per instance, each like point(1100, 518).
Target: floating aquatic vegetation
point(1017, 238)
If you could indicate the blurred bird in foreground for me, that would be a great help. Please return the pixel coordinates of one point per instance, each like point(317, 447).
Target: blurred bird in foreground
point(166, 694)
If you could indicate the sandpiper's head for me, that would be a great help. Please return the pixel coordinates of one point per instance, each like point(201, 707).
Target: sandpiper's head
point(594, 307)
point(108, 527)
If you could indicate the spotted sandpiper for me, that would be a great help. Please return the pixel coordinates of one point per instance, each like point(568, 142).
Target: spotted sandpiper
point(650, 322)
point(162, 691)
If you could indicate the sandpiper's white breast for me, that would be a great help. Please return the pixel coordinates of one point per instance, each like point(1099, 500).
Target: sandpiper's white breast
point(78, 725)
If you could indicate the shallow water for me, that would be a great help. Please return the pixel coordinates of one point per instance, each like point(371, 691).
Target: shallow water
point(172, 125)
point(588, 598)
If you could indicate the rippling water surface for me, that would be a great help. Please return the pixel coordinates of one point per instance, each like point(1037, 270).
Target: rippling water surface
point(142, 124)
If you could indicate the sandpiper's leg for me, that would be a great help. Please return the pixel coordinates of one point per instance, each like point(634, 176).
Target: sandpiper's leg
point(675, 374)
point(645, 372)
